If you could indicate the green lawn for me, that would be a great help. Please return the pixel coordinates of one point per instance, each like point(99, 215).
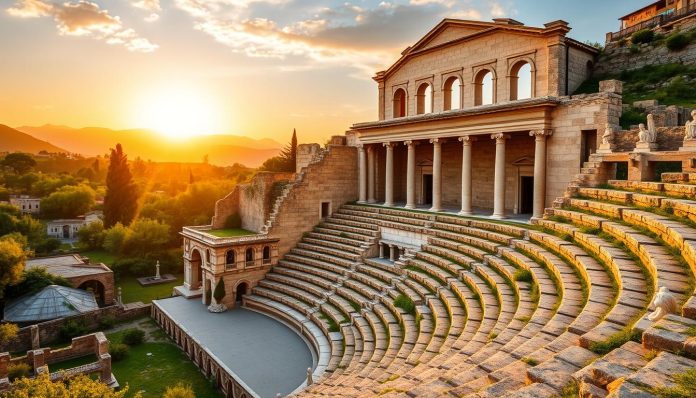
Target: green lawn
point(100, 256)
point(230, 232)
point(132, 291)
point(152, 366)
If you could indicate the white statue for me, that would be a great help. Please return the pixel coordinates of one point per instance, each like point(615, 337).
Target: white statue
point(664, 303)
point(608, 136)
point(646, 136)
point(310, 381)
point(157, 274)
point(651, 125)
point(690, 128)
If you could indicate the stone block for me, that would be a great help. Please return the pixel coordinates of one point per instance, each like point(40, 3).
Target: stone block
point(611, 86)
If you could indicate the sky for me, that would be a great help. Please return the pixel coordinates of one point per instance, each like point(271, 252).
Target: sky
point(257, 68)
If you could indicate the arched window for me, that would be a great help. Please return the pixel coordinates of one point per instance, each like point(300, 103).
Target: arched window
point(484, 92)
point(230, 258)
point(266, 254)
point(453, 93)
point(424, 99)
point(249, 255)
point(400, 103)
point(521, 81)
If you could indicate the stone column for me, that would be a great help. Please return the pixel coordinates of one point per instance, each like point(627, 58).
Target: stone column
point(539, 171)
point(392, 253)
point(362, 175)
point(466, 175)
point(411, 175)
point(499, 182)
point(437, 174)
point(389, 176)
point(381, 250)
point(371, 174)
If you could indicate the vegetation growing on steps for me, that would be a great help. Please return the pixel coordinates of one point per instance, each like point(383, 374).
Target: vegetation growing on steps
point(685, 386)
point(405, 303)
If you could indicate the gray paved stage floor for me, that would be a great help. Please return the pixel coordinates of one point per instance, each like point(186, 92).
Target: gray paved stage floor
point(267, 355)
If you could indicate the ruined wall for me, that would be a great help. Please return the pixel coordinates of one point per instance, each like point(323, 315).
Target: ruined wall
point(618, 57)
point(334, 179)
point(668, 139)
point(251, 201)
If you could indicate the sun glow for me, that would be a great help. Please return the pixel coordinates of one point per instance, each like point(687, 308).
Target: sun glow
point(179, 112)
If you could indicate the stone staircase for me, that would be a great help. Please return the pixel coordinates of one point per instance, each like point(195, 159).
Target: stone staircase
point(489, 309)
point(299, 177)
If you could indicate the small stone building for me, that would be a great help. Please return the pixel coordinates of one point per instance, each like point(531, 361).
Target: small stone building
point(97, 278)
point(26, 204)
point(209, 257)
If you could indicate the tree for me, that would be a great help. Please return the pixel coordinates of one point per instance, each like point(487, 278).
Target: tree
point(32, 281)
point(92, 235)
point(80, 386)
point(145, 236)
point(219, 292)
point(8, 334)
point(114, 238)
point(12, 258)
point(21, 163)
point(121, 200)
point(68, 202)
point(287, 159)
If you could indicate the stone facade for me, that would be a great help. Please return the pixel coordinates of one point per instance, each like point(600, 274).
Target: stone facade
point(325, 186)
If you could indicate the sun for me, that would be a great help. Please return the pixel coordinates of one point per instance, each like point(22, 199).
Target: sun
point(179, 112)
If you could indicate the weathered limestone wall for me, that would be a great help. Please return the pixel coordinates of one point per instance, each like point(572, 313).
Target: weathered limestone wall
point(575, 114)
point(305, 154)
point(251, 201)
point(580, 65)
point(619, 58)
point(334, 179)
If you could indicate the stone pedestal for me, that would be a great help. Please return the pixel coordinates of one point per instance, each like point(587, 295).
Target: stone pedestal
point(645, 147)
point(606, 148)
point(689, 146)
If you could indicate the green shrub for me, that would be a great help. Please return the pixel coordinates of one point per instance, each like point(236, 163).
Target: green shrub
point(118, 351)
point(405, 303)
point(634, 49)
point(679, 88)
point(219, 292)
point(643, 36)
point(631, 117)
point(677, 41)
point(133, 337)
point(685, 386)
point(18, 370)
point(73, 328)
point(523, 275)
point(107, 322)
point(179, 391)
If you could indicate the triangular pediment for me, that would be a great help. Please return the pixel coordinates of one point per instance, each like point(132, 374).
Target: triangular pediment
point(446, 33)
point(524, 161)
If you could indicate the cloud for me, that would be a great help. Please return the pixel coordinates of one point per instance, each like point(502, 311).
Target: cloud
point(83, 18)
point(152, 6)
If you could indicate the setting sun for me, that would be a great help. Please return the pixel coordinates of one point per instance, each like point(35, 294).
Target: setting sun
point(179, 112)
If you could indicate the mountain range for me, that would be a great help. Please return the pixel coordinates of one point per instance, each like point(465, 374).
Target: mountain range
point(149, 145)
point(12, 140)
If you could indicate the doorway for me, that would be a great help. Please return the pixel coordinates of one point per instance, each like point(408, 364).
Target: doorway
point(526, 195)
point(588, 145)
point(66, 232)
point(427, 189)
point(241, 291)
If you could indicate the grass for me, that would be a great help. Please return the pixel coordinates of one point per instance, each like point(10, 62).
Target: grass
point(405, 303)
point(523, 275)
point(100, 256)
point(685, 386)
point(152, 366)
point(530, 361)
point(133, 291)
point(229, 232)
point(72, 363)
point(614, 341)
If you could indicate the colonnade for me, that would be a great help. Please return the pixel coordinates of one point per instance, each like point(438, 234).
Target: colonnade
point(367, 164)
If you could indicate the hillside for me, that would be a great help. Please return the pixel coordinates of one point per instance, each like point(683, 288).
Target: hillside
point(12, 140)
point(147, 144)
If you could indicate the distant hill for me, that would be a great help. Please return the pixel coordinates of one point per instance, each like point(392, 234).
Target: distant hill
point(12, 140)
point(147, 144)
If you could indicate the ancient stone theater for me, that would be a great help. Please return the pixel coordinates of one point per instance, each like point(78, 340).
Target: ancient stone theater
point(490, 234)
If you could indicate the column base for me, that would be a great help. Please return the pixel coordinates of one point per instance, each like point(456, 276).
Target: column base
point(435, 209)
point(410, 207)
point(498, 216)
point(388, 204)
point(645, 147)
point(362, 202)
point(466, 213)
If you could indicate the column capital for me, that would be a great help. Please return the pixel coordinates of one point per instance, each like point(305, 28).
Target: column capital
point(467, 139)
point(499, 137)
point(435, 140)
point(360, 146)
point(388, 145)
point(410, 143)
point(541, 133)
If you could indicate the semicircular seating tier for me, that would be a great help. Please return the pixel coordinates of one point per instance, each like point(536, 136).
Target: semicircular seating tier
point(488, 309)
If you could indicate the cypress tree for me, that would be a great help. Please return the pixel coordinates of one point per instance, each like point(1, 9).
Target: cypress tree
point(121, 200)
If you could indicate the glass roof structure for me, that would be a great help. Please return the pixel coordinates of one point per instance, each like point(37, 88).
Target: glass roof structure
point(50, 303)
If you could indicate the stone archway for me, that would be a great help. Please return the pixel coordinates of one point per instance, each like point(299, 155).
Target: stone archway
point(196, 269)
point(96, 287)
point(241, 290)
